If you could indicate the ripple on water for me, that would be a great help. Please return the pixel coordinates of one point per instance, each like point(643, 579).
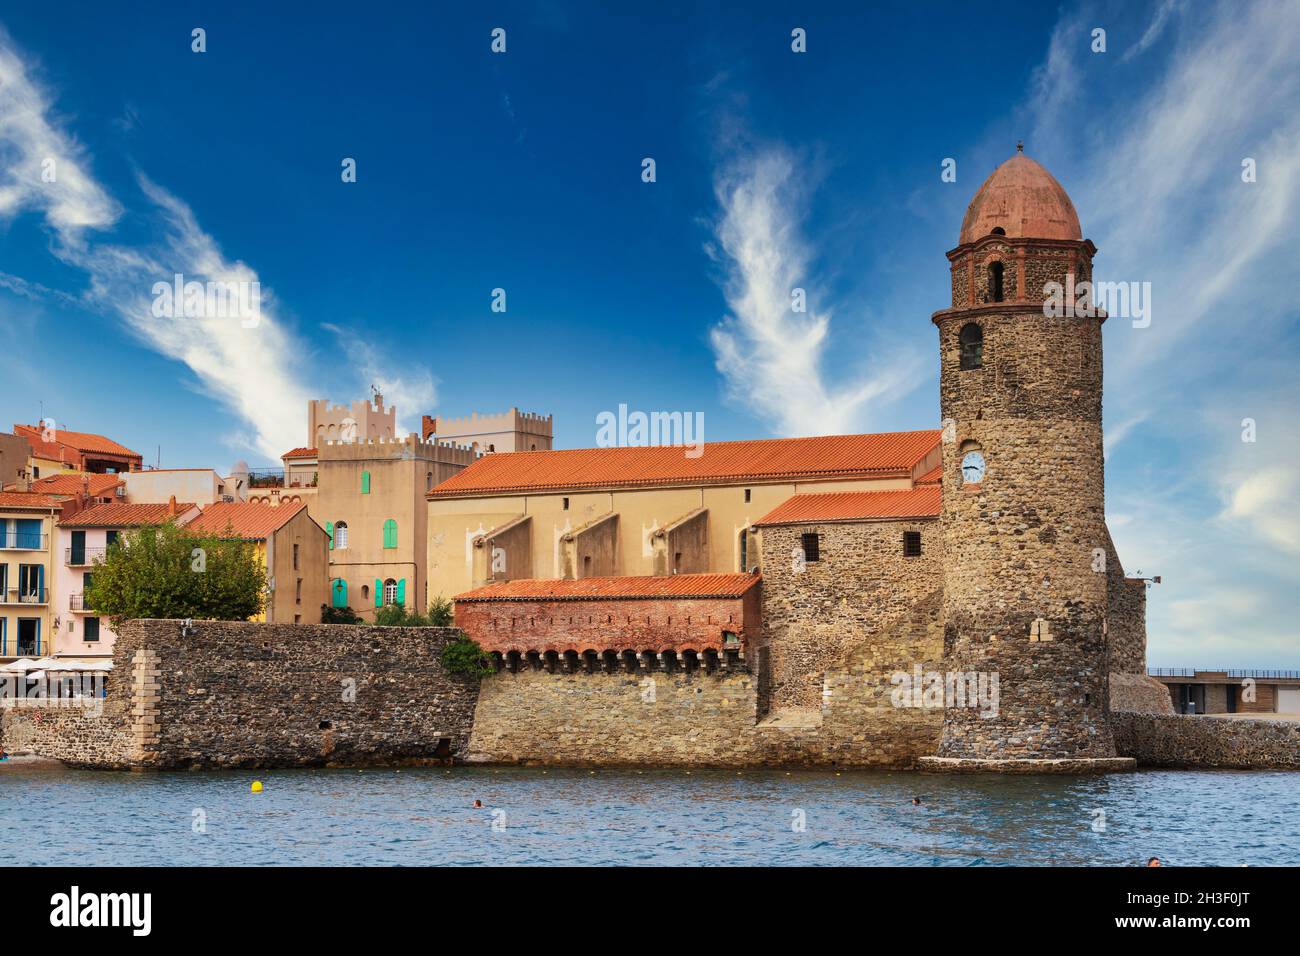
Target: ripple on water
point(420, 817)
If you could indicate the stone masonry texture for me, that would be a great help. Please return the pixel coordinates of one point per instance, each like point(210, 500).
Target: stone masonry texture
point(235, 694)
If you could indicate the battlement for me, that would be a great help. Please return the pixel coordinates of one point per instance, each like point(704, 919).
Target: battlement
point(412, 446)
point(361, 420)
point(510, 430)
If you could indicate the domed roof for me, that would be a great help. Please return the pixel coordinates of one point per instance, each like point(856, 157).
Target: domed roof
point(1025, 200)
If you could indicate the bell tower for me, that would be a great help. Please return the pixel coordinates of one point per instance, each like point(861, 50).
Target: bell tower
point(1023, 485)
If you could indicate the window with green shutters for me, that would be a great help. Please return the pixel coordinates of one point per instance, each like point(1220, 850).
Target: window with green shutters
point(329, 530)
point(390, 533)
point(365, 482)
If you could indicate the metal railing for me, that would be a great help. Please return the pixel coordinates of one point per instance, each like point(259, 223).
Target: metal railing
point(1227, 672)
point(22, 647)
point(83, 557)
point(77, 602)
point(22, 540)
point(25, 596)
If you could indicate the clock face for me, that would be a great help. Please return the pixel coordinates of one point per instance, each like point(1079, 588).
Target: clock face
point(972, 468)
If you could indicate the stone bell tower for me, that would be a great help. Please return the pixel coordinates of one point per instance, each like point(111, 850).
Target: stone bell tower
point(1023, 488)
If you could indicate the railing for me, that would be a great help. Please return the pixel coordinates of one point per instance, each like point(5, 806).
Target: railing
point(77, 602)
point(23, 647)
point(266, 478)
point(1253, 674)
point(22, 540)
point(25, 596)
point(82, 557)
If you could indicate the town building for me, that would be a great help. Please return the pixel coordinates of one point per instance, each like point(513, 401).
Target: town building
point(27, 522)
point(370, 497)
point(84, 534)
point(15, 460)
point(56, 450)
point(512, 430)
point(99, 488)
point(292, 547)
point(1231, 691)
point(203, 486)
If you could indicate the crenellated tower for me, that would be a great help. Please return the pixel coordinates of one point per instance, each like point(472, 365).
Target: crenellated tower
point(1023, 485)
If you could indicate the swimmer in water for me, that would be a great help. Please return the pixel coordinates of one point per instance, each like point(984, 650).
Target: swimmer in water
point(478, 804)
point(916, 801)
point(1154, 861)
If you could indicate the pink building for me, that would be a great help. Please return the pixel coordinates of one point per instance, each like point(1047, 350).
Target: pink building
point(83, 539)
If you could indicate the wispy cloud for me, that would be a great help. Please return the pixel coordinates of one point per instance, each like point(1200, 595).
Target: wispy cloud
point(253, 371)
point(772, 357)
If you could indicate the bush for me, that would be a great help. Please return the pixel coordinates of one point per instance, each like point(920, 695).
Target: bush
point(441, 612)
point(464, 657)
point(338, 615)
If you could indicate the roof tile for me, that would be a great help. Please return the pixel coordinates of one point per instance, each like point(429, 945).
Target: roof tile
point(920, 502)
point(245, 520)
point(773, 459)
point(121, 515)
point(616, 587)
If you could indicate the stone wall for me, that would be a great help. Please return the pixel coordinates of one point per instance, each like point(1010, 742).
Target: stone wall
point(698, 719)
point(863, 604)
point(236, 694)
point(1183, 741)
point(1126, 616)
point(1139, 693)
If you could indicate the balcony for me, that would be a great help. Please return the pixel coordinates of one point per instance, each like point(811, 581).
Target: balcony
point(77, 602)
point(25, 596)
point(22, 540)
point(23, 647)
point(83, 557)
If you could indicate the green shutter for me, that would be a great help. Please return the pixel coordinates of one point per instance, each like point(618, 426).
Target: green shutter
point(329, 529)
point(365, 482)
point(401, 592)
point(379, 593)
point(340, 593)
point(390, 533)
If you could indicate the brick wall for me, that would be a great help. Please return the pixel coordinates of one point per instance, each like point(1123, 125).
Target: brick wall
point(657, 624)
point(238, 694)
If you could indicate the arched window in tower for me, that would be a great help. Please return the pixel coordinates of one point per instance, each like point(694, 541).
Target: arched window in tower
point(995, 281)
point(340, 535)
point(999, 231)
point(972, 463)
point(971, 341)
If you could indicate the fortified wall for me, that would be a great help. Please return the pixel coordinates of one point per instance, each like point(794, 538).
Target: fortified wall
point(237, 694)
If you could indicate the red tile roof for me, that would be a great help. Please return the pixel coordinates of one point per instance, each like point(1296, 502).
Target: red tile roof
point(920, 502)
point(120, 515)
point(29, 499)
point(245, 520)
point(931, 477)
point(300, 453)
point(84, 442)
point(97, 486)
point(615, 588)
point(773, 459)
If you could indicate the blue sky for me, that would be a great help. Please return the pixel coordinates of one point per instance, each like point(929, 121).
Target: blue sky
point(522, 171)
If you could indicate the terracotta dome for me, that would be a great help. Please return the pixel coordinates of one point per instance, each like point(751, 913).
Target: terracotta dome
point(1025, 201)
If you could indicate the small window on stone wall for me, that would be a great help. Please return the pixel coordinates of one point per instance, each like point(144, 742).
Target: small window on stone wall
point(911, 544)
point(995, 282)
point(811, 546)
point(971, 342)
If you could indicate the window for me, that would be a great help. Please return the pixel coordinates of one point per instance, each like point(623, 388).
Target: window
point(110, 538)
point(811, 546)
point(744, 549)
point(390, 591)
point(999, 231)
point(746, 496)
point(90, 630)
point(340, 536)
point(339, 593)
point(297, 592)
point(428, 481)
point(911, 544)
point(995, 282)
point(365, 482)
point(390, 533)
point(971, 343)
point(566, 504)
point(295, 557)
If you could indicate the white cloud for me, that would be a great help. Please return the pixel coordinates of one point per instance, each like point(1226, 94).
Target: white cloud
point(251, 371)
point(772, 357)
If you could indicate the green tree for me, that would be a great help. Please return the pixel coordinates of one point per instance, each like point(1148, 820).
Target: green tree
point(170, 572)
point(464, 656)
point(441, 612)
